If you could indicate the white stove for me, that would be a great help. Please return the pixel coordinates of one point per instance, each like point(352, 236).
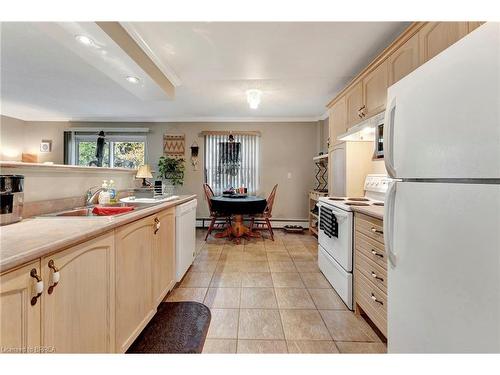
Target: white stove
point(336, 234)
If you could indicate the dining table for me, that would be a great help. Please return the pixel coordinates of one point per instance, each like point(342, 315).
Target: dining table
point(237, 207)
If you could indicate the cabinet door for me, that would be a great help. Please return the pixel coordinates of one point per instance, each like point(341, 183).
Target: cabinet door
point(134, 297)
point(337, 120)
point(20, 320)
point(474, 25)
point(375, 90)
point(78, 310)
point(163, 254)
point(354, 104)
point(404, 60)
point(435, 37)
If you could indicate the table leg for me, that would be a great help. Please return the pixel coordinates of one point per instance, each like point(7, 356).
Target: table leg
point(237, 230)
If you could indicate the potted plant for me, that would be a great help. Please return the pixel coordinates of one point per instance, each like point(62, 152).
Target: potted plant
point(172, 171)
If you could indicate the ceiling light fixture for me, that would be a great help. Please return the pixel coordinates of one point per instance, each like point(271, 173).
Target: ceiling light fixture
point(133, 79)
point(85, 40)
point(253, 98)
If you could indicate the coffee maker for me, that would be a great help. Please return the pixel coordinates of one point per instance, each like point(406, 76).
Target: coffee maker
point(11, 198)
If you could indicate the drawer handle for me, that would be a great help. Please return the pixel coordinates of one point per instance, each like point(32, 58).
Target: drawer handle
point(38, 286)
point(377, 254)
point(375, 276)
point(376, 300)
point(157, 225)
point(55, 276)
point(375, 230)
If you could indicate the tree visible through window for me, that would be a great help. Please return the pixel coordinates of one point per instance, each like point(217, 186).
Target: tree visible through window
point(118, 153)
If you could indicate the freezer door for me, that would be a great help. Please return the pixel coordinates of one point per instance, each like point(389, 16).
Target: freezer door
point(444, 283)
point(443, 120)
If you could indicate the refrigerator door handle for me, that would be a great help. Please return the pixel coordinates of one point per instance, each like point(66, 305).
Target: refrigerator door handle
point(390, 114)
point(389, 223)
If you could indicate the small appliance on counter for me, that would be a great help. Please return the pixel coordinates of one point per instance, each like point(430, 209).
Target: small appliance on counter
point(11, 198)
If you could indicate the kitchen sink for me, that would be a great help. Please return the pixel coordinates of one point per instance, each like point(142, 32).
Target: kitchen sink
point(83, 212)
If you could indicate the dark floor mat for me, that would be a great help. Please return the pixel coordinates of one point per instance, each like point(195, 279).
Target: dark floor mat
point(177, 327)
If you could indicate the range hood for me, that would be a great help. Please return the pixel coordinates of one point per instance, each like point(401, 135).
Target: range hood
point(364, 131)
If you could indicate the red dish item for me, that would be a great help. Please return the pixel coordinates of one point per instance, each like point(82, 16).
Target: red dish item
point(107, 211)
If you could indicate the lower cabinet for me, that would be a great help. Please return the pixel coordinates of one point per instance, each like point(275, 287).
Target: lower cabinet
point(95, 297)
point(78, 300)
point(163, 255)
point(20, 310)
point(370, 270)
point(134, 280)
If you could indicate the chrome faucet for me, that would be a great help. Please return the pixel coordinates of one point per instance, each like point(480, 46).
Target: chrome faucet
point(91, 196)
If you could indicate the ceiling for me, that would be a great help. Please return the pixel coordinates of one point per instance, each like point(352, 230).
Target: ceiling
point(47, 75)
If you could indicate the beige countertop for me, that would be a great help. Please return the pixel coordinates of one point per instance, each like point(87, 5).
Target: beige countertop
point(33, 238)
point(374, 211)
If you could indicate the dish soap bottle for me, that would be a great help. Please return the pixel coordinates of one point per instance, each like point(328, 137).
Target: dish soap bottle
point(104, 196)
point(112, 191)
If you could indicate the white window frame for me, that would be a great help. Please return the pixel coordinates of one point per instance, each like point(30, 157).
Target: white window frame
point(110, 139)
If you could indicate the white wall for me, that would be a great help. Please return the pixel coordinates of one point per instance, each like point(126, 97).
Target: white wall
point(285, 148)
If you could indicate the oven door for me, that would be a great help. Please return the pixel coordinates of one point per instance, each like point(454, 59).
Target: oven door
point(335, 234)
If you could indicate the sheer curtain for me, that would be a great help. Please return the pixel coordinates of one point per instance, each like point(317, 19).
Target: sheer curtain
point(232, 164)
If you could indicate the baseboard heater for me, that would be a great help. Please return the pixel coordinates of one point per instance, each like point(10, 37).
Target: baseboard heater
point(276, 223)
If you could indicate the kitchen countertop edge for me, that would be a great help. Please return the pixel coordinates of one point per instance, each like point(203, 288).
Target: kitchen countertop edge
point(10, 262)
point(374, 211)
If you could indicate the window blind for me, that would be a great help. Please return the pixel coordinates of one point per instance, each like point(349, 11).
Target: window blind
point(232, 163)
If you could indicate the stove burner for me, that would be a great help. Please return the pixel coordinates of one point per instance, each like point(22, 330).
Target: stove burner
point(360, 199)
point(378, 203)
point(336, 199)
point(357, 204)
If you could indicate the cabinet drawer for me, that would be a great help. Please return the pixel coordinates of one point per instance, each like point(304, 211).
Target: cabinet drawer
point(373, 250)
point(373, 272)
point(365, 294)
point(370, 226)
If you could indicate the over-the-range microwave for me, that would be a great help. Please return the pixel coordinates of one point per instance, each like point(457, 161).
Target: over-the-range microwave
point(379, 141)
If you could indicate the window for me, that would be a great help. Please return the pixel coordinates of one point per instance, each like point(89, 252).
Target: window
point(232, 161)
point(120, 150)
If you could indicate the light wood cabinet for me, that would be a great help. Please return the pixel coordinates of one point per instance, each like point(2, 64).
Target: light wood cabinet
point(354, 104)
point(404, 60)
point(375, 85)
point(370, 270)
point(134, 278)
point(435, 37)
point(20, 319)
point(164, 255)
point(78, 311)
point(337, 120)
point(474, 25)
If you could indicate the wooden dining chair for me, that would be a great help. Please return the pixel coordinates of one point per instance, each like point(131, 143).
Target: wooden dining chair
point(261, 221)
point(218, 220)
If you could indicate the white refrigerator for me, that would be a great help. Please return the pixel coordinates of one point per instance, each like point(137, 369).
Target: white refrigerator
point(442, 218)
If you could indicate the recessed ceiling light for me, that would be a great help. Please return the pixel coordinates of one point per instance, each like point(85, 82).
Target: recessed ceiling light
point(253, 98)
point(133, 79)
point(85, 40)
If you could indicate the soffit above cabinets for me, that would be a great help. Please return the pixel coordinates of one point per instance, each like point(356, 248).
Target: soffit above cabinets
point(48, 75)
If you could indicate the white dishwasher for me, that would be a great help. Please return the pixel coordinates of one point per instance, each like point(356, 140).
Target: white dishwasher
point(185, 237)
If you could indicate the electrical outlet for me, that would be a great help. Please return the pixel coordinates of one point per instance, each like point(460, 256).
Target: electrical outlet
point(289, 175)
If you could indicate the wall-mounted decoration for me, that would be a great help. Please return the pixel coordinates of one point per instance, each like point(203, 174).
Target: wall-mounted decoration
point(173, 145)
point(194, 155)
point(46, 145)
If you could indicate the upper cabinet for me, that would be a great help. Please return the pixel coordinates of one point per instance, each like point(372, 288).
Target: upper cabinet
point(374, 91)
point(435, 37)
point(404, 60)
point(474, 25)
point(337, 120)
point(366, 95)
point(354, 104)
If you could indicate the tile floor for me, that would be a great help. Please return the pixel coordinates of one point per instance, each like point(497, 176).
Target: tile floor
point(270, 297)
